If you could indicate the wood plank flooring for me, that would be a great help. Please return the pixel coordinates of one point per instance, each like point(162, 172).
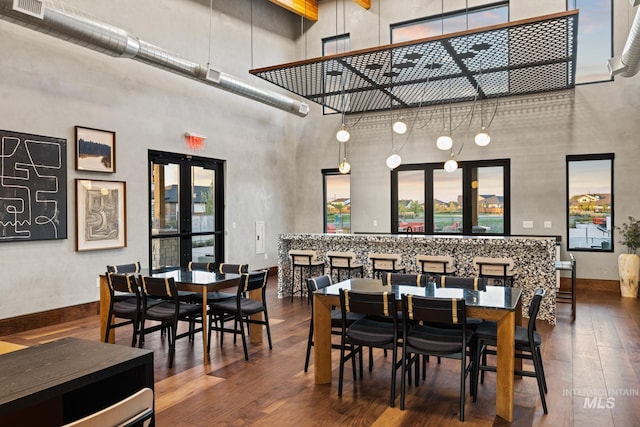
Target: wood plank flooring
point(597, 356)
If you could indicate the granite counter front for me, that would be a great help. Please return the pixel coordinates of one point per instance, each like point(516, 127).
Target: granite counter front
point(533, 257)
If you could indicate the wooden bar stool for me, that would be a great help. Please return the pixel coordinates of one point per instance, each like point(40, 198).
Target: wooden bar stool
point(344, 261)
point(568, 297)
point(436, 264)
point(304, 259)
point(496, 269)
point(386, 263)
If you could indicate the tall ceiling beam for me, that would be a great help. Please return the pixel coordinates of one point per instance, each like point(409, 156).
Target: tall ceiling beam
point(305, 8)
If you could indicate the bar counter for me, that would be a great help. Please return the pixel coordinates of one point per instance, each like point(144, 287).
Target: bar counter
point(533, 257)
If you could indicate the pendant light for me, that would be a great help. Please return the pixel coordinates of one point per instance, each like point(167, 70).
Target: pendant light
point(451, 165)
point(445, 141)
point(399, 126)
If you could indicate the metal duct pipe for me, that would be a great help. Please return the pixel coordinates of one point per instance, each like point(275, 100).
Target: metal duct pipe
point(75, 27)
point(628, 63)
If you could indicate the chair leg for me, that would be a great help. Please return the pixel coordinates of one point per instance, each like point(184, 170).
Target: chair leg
point(266, 321)
point(544, 378)
point(463, 381)
point(172, 331)
point(537, 364)
point(244, 339)
point(341, 370)
point(394, 368)
point(309, 344)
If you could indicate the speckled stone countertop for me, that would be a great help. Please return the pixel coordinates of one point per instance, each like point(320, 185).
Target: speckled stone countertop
point(533, 257)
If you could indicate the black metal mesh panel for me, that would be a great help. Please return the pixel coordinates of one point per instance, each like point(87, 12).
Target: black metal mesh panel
point(523, 57)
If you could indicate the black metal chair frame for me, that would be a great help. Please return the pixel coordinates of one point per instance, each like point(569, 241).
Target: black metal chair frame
point(429, 339)
point(358, 267)
point(129, 307)
point(525, 348)
point(310, 265)
point(375, 271)
point(568, 297)
point(242, 308)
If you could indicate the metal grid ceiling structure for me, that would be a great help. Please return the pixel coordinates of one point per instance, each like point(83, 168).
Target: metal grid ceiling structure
point(521, 57)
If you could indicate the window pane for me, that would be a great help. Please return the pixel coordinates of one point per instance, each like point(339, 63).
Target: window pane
point(411, 201)
point(165, 253)
point(338, 203)
point(447, 201)
point(202, 248)
point(165, 195)
point(202, 209)
point(487, 189)
point(594, 39)
point(590, 204)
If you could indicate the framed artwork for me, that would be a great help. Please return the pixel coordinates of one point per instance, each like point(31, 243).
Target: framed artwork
point(95, 150)
point(100, 214)
point(33, 187)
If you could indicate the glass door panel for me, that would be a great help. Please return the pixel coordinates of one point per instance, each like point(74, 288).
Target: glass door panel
point(447, 201)
point(165, 215)
point(411, 207)
point(203, 214)
point(487, 192)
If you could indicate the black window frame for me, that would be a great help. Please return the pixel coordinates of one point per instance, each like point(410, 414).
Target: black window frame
point(467, 202)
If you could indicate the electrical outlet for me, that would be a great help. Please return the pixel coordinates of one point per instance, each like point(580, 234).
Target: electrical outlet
point(527, 224)
point(375, 222)
point(547, 224)
point(266, 256)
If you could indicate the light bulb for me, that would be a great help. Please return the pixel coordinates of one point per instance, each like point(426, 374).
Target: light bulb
point(344, 166)
point(343, 134)
point(451, 165)
point(400, 127)
point(444, 142)
point(393, 161)
point(482, 138)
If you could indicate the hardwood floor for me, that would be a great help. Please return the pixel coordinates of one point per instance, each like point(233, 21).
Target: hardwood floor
point(598, 354)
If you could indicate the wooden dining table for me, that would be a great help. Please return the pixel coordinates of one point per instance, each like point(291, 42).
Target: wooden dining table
point(191, 281)
point(497, 303)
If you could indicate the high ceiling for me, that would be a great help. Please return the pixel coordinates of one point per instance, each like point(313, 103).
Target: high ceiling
point(520, 57)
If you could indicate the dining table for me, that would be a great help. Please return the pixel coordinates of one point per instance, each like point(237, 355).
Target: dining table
point(191, 281)
point(497, 303)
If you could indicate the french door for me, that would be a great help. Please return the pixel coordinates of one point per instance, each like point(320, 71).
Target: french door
point(186, 206)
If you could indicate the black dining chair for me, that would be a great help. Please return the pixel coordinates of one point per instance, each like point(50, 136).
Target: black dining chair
point(168, 310)
point(314, 284)
point(527, 343)
point(129, 308)
point(242, 308)
point(125, 268)
point(422, 335)
point(379, 329)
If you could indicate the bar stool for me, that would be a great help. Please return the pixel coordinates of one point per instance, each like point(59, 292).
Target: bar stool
point(436, 264)
point(496, 269)
point(344, 261)
point(386, 263)
point(304, 259)
point(568, 297)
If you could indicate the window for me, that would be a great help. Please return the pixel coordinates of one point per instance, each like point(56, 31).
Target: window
point(332, 46)
point(595, 39)
point(477, 17)
point(474, 199)
point(590, 202)
point(337, 201)
point(186, 210)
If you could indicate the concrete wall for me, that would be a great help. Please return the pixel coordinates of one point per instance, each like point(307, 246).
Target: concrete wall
point(273, 159)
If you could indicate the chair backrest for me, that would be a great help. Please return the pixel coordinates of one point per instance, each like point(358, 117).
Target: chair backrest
point(316, 283)
point(252, 281)
point(201, 266)
point(233, 268)
point(385, 261)
point(493, 270)
point(471, 283)
point(136, 409)
point(446, 311)
point(390, 279)
point(122, 283)
point(341, 259)
point(303, 256)
point(160, 287)
point(368, 303)
point(435, 263)
point(124, 268)
point(534, 306)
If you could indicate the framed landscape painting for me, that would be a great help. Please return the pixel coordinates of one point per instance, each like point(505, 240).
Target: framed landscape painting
point(100, 214)
point(95, 150)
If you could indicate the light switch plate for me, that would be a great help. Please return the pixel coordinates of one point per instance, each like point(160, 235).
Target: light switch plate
point(527, 224)
point(547, 224)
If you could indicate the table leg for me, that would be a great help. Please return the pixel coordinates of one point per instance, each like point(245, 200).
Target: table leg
point(322, 339)
point(105, 298)
point(255, 331)
point(205, 327)
point(505, 366)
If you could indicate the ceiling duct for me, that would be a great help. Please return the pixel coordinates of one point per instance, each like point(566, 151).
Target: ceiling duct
point(75, 27)
point(628, 63)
